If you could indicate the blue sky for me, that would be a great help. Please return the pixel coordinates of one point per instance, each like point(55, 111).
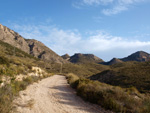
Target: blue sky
point(106, 28)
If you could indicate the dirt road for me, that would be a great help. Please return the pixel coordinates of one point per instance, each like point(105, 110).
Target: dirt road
point(53, 95)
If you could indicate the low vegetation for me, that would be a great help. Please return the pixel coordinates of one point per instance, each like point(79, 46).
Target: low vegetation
point(129, 74)
point(117, 99)
point(83, 70)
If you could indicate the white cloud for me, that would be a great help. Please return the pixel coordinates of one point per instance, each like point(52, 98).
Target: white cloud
point(115, 10)
point(121, 5)
point(111, 6)
point(99, 43)
point(97, 2)
point(80, 3)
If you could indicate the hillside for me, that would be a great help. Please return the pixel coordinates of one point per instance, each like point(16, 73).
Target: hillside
point(17, 70)
point(127, 75)
point(84, 58)
point(30, 46)
point(14, 61)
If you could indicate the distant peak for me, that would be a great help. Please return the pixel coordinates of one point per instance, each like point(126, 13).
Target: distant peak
point(115, 59)
point(78, 54)
point(141, 52)
point(85, 58)
point(66, 54)
point(138, 56)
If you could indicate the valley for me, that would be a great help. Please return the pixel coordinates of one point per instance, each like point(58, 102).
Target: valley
point(34, 79)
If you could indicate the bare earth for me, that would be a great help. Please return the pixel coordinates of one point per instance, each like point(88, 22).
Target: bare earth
point(53, 95)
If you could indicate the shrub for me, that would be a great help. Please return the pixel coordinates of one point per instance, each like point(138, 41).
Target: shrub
point(73, 80)
point(4, 60)
point(124, 100)
point(6, 98)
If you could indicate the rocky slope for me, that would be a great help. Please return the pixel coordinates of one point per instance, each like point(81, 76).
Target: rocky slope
point(30, 46)
point(9, 36)
point(85, 58)
point(39, 50)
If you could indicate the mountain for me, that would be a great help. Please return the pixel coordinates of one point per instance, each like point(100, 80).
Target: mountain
point(30, 46)
point(65, 56)
point(85, 58)
point(39, 50)
point(139, 56)
point(113, 61)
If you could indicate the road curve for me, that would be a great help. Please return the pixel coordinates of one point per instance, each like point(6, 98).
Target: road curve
point(53, 95)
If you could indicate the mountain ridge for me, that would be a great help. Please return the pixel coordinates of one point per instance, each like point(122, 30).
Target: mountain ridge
point(30, 46)
point(139, 56)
